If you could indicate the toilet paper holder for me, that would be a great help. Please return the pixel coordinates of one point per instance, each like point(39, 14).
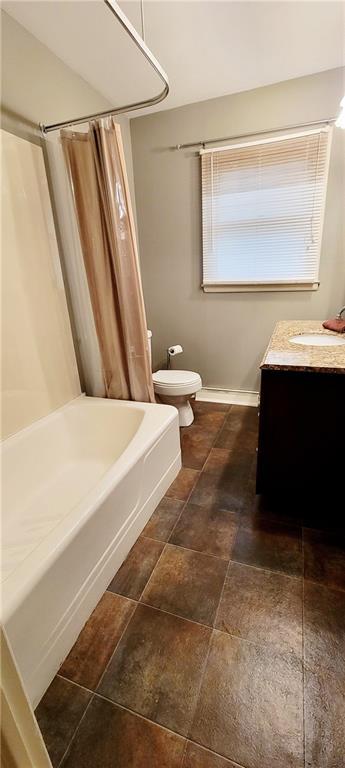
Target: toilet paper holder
point(171, 352)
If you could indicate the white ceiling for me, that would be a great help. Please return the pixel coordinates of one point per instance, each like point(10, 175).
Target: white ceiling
point(208, 48)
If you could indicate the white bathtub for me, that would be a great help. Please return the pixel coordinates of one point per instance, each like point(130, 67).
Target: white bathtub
point(78, 488)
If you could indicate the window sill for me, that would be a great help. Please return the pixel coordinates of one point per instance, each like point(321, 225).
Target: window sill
point(257, 287)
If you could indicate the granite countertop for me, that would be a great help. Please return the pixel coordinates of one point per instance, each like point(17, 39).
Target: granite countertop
point(282, 354)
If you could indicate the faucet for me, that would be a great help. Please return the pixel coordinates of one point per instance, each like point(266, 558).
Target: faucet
point(340, 313)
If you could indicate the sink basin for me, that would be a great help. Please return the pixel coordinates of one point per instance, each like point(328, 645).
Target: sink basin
point(318, 340)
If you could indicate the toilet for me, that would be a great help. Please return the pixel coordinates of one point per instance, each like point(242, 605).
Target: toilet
point(175, 387)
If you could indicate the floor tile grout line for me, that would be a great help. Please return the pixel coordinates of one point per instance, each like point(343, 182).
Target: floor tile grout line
point(96, 694)
point(237, 432)
point(183, 753)
point(215, 439)
point(212, 446)
point(169, 542)
point(217, 754)
point(119, 640)
point(185, 504)
point(212, 628)
point(186, 738)
point(213, 633)
point(202, 506)
point(193, 621)
point(200, 469)
point(172, 531)
point(152, 572)
point(177, 615)
point(269, 570)
point(226, 575)
point(323, 531)
point(335, 587)
point(197, 551)
point(90, 690)
point(225, 420)
point(185, 501)
point(73, 682)
point(261, 568)
point(138, 601)
point(192, 489)
point(204, 626)
point(60, 764)
point(93, 693)
point(209, 451)
point(233, 450)
point(138, 714)
point(221, 595)
point(228, 560)
point(198, 693)
point(331, 587)
point(232, 550)
point(277, 523)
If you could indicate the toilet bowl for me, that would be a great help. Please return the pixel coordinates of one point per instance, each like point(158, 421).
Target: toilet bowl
point(176, 388)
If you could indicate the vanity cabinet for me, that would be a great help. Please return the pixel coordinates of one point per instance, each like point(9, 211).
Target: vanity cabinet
point(301, 433)
point(302, 414)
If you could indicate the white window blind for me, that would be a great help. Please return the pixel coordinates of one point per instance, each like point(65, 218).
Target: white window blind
point(262, 211)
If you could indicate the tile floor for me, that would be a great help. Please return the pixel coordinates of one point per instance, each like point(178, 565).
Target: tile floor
point(220, 643)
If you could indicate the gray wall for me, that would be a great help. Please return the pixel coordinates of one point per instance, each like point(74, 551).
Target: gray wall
point(224, 335)
point(36, 86)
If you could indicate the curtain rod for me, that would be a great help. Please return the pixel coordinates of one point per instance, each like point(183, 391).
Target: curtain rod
point(190, 144)
point(139, 42)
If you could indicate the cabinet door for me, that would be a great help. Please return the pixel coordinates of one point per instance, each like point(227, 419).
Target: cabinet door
point(302, 421)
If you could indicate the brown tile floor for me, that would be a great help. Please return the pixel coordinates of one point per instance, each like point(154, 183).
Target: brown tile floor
point(220, 643)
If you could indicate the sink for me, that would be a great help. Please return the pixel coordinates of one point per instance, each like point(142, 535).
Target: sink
point(318, 340)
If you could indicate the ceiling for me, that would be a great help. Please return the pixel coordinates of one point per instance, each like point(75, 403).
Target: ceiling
point(208, 48)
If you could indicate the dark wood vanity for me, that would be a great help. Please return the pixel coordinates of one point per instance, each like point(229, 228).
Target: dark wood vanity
point(302, 416)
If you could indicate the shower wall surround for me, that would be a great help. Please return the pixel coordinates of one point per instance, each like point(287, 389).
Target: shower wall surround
point(39, 370)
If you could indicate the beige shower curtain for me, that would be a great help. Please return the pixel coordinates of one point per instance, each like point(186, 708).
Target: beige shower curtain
point(96, 165)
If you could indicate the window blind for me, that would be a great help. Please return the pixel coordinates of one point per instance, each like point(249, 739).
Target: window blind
point(262, 210)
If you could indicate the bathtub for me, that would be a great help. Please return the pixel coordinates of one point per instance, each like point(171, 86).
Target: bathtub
point(78, 488)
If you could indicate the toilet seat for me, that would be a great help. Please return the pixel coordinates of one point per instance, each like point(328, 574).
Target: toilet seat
point(176, 382)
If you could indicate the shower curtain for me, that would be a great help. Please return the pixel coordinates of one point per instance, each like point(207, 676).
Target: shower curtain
point(96, 166)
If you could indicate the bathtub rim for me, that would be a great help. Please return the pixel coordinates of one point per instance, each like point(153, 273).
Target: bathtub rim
point(22, 580)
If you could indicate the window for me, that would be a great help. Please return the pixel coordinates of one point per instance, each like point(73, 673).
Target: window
point(262, 211)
